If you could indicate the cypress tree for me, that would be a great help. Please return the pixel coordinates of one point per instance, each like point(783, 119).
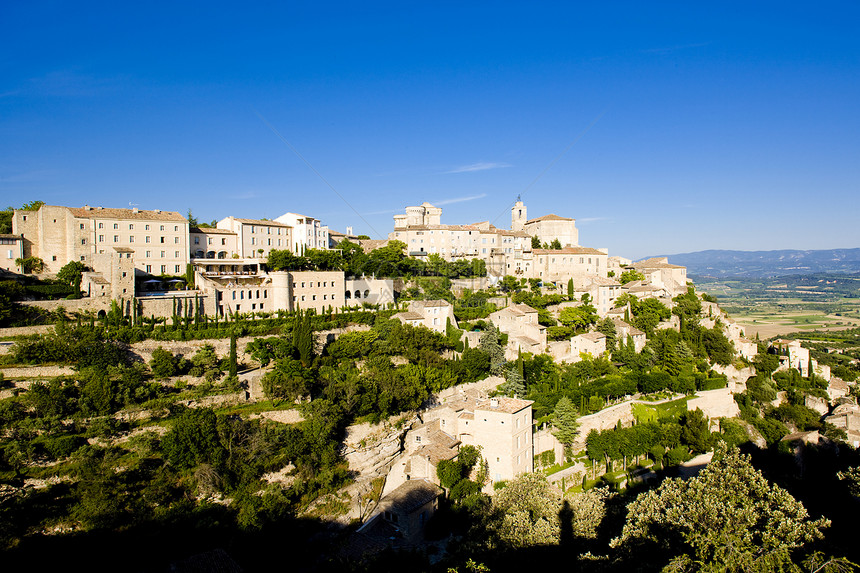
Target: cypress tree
point(233, 361)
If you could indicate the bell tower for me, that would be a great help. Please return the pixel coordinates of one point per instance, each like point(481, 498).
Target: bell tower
point(518, 215)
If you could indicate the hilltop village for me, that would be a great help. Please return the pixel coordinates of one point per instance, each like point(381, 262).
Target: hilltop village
point(420, 391)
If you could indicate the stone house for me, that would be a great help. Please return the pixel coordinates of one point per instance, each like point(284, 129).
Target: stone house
point(623, 331)
point(11, 248)
point(213, 243)
point(500, 426)
point(593, 343)
point(158, 239)
point(255, 238)
point(432, 314)
point(660, 273)
point(520, 323)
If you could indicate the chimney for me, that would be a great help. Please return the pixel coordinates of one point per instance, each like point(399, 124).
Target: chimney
point(494, 402)
point(135, 210)
point(87, 208)
point(349, 230)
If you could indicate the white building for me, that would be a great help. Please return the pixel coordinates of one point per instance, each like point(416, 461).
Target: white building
point(308, 232)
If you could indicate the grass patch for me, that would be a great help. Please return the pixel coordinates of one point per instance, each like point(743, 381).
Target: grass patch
point(644, 413)
point(255, 408)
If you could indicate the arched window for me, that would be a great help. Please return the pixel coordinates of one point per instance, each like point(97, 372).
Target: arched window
point(222, 255)
point(366, 293)
point(199, 254)
point(347, 295)
point(358, 294)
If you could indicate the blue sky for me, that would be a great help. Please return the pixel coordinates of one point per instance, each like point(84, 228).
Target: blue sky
point(661, 127)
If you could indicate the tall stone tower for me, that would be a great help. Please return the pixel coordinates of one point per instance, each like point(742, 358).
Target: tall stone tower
point(518, 215)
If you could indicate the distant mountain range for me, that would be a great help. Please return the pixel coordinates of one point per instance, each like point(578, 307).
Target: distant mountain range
point(764, 264)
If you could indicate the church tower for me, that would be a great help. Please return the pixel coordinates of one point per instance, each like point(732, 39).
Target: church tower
point(518, 215)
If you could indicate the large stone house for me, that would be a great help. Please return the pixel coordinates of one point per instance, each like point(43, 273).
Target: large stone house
point(501, 427)
point(520, 323)
point(157, 240)
point(432, 314)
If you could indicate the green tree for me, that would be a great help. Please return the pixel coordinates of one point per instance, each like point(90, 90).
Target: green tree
point(564, 421)
point(527, 512)
point(535, 243)
point(205, 363)
point(164, 364)
point(555, 245)
point(695, 431)
point(193, 440)
point(728, 518)
point(631, 275)
point(570, 291)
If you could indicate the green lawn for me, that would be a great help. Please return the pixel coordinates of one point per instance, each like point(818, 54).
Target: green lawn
point(668, 410)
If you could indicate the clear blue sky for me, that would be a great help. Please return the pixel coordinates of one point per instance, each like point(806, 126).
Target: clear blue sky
point(727, 125)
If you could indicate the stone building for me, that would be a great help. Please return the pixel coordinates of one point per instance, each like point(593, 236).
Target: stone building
point(552, 227)
point(11, 249)
point(520, 323)
point(255, 238)
point(432, 314)
point(157, 239)
point(213, 243)
point(660, 273)
point(593, 343)
point(557, 266)
point(501, 427)
point(256, 290)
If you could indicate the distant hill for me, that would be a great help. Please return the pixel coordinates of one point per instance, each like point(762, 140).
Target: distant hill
point(763, 264)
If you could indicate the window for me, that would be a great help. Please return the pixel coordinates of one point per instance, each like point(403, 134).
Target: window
point(196, 240)
point(149, 268)
point(116, 225)
point(82, 225)
point(131, 239)
point(83, 241)
point(101, 238)
point(130, 226)
point(176, 254)
point(176, 240)
point(162, 254)
point(162, 239)
point(163, 269)
point(177, 269)
point(148, 254)
point(83, 257)
point(175, 227)
point(147, 238)
point(223, 241)
point(161, 228)
point(101, 225)
point(146, 228)
point(116, 238)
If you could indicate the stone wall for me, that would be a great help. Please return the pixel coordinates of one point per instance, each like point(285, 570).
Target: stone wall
point(72, 305)
point(719, 403)
point(25, 330)
point(36, 372)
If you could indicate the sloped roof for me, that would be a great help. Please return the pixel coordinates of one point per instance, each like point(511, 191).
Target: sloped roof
point(655, 263)
point(131, 214)
point(412, 495)
point(211, 231)
point(593, 336)
point(409, 315)
point(504, 404)
point(262, 222)
point(569, 251)
point(550, 217)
